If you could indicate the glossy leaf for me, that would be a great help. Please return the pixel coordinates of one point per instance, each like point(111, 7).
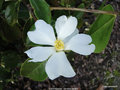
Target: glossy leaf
point(101, 29)
point(34, 71)
point(27, 27)
point(9, 33)
point(11, 13)
point(41, 10)
point(23, 12)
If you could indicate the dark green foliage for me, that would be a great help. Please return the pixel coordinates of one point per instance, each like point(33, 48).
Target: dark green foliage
point(10, 30)
point(34, 71)
point(101, 29)
point(11, 13)
point(41, 10)
point(9, 33)
point(1, 2)
point(4, 74)
point(10, 59)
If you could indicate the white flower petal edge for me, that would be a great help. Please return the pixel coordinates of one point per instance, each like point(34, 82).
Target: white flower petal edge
point(60, 22)
point(65, 26)
point(39, 54)
point(80, 44)
point(43, 34)
point(58, 65)
point(70, 36)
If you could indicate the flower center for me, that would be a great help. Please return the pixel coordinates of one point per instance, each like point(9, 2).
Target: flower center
point(59, 45)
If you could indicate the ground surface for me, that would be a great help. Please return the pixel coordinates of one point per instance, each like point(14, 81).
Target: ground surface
point(91, 71)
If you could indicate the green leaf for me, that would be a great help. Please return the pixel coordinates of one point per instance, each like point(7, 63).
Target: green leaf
point(101, 29)
point(102, 5)
point(1, 2)
point(27, 27)
point(23, 12)
point(10, 59)
point(41, 10)
point(11, 13)
point(9, 33)
point(34, 70)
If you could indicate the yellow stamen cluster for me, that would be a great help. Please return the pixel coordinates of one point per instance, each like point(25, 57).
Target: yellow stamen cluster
point(59, 45)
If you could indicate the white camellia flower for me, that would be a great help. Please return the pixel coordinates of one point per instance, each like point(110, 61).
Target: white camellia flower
point(67, 38)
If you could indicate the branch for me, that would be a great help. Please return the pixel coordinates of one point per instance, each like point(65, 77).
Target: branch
point(85, 10)
point(31, 12)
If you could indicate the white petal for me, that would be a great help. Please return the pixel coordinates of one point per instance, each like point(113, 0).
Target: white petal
point(39, 54)
point(44, 33)
point(80, 44)
point(57, 65)
point(60, 23)
point(65, 27)
point(70, 36)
